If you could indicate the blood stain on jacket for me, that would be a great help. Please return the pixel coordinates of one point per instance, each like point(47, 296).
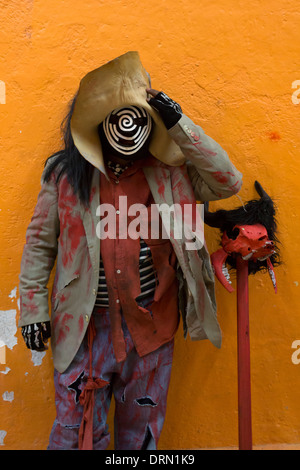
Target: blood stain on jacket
point(62, 325)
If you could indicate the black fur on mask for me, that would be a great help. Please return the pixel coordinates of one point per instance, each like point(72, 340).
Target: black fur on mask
point(256, 211)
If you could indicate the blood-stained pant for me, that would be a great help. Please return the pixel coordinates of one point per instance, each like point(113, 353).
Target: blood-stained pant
point(139, 385)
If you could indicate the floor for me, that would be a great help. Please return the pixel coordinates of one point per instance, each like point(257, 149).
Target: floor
point(265, 447)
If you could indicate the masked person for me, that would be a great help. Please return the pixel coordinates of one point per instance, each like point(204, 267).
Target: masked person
point(117, 299)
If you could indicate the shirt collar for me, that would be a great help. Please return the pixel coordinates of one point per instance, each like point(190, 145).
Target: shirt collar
point(117, 171)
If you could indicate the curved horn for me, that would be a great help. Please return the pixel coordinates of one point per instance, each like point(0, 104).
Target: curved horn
point(260, 190)
point(218, 260)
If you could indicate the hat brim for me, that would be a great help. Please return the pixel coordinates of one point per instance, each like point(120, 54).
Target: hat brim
point(120, 82)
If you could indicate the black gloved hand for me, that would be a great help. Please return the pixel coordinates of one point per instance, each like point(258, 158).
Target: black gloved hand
point(36, 335)
point(169, 110)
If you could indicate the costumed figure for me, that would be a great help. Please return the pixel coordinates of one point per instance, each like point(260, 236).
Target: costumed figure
point(116, 300)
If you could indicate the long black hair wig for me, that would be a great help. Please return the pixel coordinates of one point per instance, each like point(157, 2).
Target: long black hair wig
point(79, 171)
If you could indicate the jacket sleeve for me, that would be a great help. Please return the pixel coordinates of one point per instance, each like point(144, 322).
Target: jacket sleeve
point(39, 255)
point(212, 174)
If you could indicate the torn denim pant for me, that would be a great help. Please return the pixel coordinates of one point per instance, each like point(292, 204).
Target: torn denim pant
point(139, 384)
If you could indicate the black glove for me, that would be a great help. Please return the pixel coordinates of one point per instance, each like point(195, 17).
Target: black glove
point(169, 110)
point(36, 335)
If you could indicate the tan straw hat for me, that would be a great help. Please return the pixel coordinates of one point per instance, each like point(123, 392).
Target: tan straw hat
point(120, 82)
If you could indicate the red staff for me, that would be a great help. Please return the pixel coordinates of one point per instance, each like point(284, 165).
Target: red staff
point(248, 246)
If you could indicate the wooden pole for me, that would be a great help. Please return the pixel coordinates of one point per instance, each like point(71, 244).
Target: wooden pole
point(243, 342)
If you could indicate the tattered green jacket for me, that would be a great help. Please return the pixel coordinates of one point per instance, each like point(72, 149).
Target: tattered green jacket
point(207, 175)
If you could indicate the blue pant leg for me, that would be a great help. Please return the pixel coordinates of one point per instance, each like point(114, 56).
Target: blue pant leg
point(69, 385)
point(140, 391)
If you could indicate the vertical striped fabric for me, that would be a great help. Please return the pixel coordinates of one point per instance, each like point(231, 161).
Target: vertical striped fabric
point(147, 277)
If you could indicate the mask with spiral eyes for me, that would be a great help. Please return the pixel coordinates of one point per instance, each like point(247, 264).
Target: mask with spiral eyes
point(126, 132)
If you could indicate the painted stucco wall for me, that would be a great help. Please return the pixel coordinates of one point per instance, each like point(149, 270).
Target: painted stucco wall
point(233, 66)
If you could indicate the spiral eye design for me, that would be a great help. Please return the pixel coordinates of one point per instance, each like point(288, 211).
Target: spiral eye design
point(127, 129)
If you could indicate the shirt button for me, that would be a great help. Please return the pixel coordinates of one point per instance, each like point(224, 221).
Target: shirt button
point(86, 318)
point(118, 271)
point(118, 212)
point(117, 301)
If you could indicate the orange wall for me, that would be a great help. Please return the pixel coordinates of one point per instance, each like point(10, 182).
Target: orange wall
point(231, 65)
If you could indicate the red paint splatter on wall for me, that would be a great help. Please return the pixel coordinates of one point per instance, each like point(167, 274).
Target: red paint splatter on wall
point(274, 136)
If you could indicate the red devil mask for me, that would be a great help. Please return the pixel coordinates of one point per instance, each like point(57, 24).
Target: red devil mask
point(249, 232)
point(251, 242)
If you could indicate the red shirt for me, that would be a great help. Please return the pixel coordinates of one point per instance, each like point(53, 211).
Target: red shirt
point(120, 256)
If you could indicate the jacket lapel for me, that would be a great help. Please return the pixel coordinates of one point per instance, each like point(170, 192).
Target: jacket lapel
point(90, 221)
point(159, 180)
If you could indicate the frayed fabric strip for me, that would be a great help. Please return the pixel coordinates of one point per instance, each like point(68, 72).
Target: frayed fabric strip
point(87, 399)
